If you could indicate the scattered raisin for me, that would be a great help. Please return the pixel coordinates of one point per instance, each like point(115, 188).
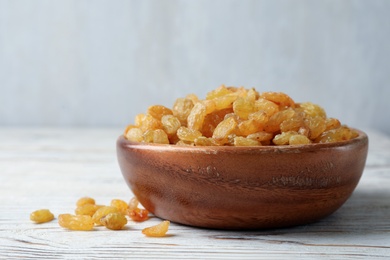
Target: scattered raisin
point(41, 216)
point(158, 230)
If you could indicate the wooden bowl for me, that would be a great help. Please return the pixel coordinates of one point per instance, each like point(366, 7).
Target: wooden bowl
point(227, 187)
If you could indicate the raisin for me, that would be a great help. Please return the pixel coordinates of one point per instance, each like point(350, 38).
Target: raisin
point(242, 141)
point(187, 134)
point(114, 221)
point(218, 92)
point(277, 119)
point(248, 127)
point(76, 222)
point(87, 209)
point(170, 124)
point(159, 111)
point(282, 99)
point(313, 109)
point(41, 216)
point(230, 112)
point(121, 205)
point(102, 212)
point(261, 136)
point(243, 107)
point(181, 109)
point(283, 138)
point(267, 106)
point(85, 200)
point(196, 117)
point(159, 230)
point(299, 139)
point(223, 129)
point(133, 203)
point(138, 214)
point(316, 126)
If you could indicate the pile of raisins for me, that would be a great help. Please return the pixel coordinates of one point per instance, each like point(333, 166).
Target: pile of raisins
point(237, 117)
point(88, 215)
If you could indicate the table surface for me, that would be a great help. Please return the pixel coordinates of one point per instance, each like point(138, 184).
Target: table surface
point(52, 168)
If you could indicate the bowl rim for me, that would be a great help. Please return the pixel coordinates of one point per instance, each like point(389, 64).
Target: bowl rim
point(361, 138)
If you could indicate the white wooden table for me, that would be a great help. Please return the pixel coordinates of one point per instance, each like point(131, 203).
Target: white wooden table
point(52, 168)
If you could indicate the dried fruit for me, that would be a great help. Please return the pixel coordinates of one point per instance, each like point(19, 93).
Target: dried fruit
point(114, 221)
point(102, 212)
point(228, 113)
point(87, 209)
point(283, 138)
point(187, 134)
point(243, 107)
point(336, 135)
point(196, 117)
point(242, 141)
point(225, 128)
point(181, 109)
point(138, 214)
point(133, 203)
point(170, 124)
point(159, 111)
point(76, 222)
point(121, 205)
point(134, 134)
point(41, 216)
point(159, 230)
point(85, 200)
point(298, 139)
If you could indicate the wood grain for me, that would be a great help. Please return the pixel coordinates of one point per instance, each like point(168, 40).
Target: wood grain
point(52, 168)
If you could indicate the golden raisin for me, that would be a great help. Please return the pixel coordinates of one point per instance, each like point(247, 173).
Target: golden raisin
point(187, 134)
point(85, 200)
point(277, 119)
point(242, 141)
point(87, 209)
point(231, 112)
point(170, 124)
point(225, 128)
point(261, 136)
point(218, 92)
point(243, 107)
point(73, 222)
point(316, 126)
point(134, 134)
point(159, 230)
point(147, 122)
point(336, 135)
point(298, 139)
point(133, 203)
point(267, 106)
point(282, 99)
point(224, 102)
point(121, 205)
point(181, 109)
point(196, 117)
point(41, 216)
point(313, 109)
point(332, 123)
point(138, 214)
point(159, 111)
point(160, 137)
point(102, 212)
point(248, 127)
point(283, 138)
point(114, 221)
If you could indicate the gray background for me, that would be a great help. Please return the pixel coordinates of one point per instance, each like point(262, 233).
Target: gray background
point(99, 63)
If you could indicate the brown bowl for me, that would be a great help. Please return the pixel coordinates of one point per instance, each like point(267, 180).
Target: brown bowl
point(229, 187)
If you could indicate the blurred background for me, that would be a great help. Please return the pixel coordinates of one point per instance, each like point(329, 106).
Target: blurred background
point(81, 63)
